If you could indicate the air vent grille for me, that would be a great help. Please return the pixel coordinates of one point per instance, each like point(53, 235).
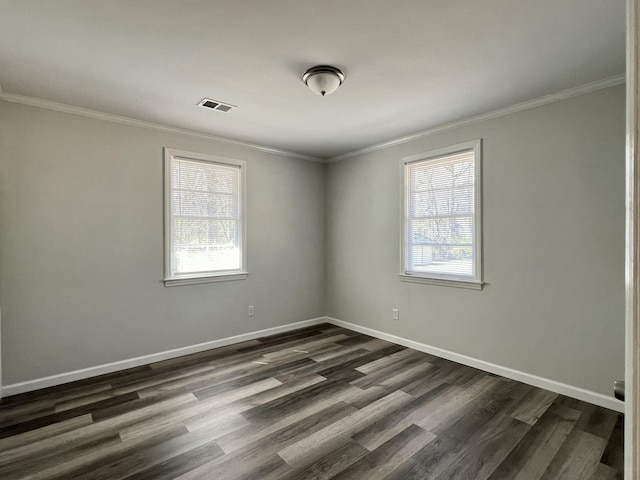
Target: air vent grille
point(216, 105)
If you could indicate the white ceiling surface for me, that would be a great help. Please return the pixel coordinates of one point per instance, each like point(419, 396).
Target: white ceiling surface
point(410, 65)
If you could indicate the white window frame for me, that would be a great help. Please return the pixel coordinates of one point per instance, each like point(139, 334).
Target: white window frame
point(452, 280)
point(171, 279)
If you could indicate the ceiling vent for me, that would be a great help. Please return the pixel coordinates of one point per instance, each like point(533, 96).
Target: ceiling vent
point(216, 105)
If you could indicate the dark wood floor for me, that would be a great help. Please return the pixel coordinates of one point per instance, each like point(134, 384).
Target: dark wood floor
point(322, 402)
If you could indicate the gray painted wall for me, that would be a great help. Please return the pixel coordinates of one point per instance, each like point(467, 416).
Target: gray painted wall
point(553, 306)
point(81, 245)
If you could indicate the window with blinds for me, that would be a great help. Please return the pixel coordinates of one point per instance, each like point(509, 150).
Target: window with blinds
point(441, 228)
point(204, 218)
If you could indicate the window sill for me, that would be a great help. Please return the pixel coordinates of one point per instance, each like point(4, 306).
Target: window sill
point(472, 285)
point(176, 282)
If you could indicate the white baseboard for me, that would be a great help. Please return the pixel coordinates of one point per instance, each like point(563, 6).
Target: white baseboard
point(61, 378)
point(557, 387)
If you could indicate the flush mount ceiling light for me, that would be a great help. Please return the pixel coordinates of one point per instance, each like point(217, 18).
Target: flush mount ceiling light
point(323, 79)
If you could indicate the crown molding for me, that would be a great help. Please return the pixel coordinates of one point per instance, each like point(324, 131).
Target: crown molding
point(501, 112)
point(85, 112)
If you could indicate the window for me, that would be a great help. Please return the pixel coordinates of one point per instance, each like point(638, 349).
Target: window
point(441, 209)
point(204, 218)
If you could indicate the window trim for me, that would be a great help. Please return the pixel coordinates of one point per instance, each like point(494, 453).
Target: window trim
point(206, 277)
point(449, 280)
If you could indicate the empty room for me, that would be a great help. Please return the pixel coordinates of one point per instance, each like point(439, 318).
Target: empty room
point(313, 240)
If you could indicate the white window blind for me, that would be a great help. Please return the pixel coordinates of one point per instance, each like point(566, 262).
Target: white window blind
point(204, 217)
point(441, 224)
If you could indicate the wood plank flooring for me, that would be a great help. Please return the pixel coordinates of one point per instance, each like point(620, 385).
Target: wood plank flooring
point(318, 403)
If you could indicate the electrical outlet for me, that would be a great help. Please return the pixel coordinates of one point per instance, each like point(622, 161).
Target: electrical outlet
point(251, 311)
point(395, 314)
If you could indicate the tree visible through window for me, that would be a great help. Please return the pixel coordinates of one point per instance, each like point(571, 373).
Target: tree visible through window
point(204, 217)
point(441, 225)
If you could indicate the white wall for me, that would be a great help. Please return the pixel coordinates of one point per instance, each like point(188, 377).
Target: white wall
point(553, 209)
point(81, 245)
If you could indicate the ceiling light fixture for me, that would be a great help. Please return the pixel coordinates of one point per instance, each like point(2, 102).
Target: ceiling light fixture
point(323, 79)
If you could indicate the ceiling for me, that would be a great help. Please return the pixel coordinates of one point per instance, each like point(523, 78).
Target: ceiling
point(410, 64)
